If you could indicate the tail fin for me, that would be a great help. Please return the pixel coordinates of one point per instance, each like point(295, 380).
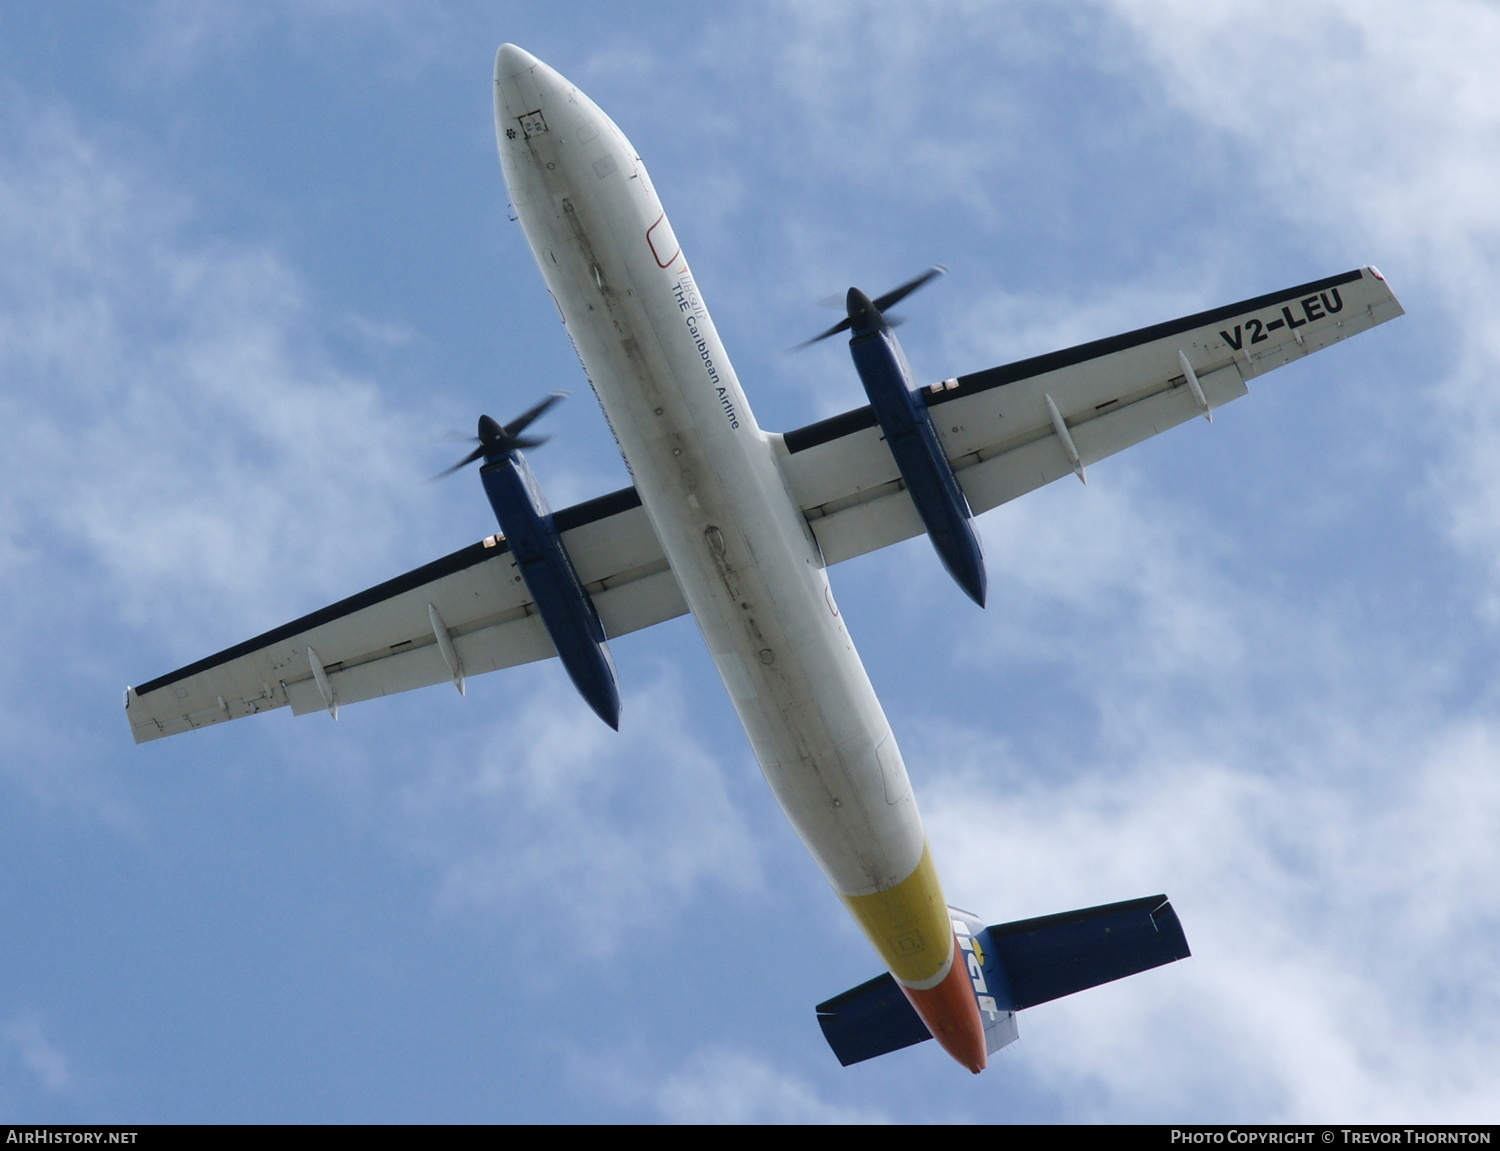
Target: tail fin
point(1013, 966)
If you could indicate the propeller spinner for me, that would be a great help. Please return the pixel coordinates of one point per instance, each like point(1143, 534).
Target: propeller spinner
point(859, 304)
point(495, 438)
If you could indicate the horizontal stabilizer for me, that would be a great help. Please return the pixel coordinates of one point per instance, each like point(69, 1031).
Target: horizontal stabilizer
point(873, 1019)
point(1013, 966)
point(1056, 955)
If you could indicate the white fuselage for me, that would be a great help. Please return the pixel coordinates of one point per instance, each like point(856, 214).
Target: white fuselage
point(708, 477)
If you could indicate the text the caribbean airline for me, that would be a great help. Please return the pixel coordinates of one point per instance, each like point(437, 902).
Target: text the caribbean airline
point(738, 526)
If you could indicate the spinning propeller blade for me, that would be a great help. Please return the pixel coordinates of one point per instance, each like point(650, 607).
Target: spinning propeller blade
point(495, 439)
point(889, 300)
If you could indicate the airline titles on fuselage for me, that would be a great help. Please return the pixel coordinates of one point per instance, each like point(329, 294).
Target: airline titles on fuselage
point(686, 294)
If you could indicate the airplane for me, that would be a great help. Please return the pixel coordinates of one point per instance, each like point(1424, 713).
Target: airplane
point(738, 526)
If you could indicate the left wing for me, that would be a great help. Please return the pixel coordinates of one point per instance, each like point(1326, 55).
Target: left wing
point(386, 640)
point(1012, 429)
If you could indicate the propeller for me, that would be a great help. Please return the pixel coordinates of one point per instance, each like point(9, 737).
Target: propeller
point(495, 439)
point(889, 300)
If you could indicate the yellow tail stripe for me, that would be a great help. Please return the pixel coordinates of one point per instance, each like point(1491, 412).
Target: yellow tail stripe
point(909, 925)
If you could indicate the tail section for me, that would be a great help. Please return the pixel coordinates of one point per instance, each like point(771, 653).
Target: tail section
point(1056, 955)
point(950, 1013)
point(1012, 966)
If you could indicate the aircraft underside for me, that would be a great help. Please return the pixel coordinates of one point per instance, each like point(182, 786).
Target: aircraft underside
point(738, 527)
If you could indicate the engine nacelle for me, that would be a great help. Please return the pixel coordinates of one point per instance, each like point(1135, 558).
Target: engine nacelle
point(914, 443)
point(566, 609)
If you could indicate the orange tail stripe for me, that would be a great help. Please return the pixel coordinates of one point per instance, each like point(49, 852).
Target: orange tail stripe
point(952, 1015)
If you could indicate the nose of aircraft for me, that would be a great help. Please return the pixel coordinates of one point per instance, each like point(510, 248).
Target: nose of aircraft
point(511, 60)
point(522, 79)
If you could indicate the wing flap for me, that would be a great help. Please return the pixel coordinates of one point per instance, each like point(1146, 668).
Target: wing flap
point(1037, 458)
point(518, 640)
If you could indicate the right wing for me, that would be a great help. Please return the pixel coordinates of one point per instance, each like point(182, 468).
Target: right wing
point(999, 434)
point(385, 640)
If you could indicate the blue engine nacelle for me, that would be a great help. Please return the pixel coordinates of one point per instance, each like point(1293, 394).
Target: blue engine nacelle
point(566, 609)
point(913, 441)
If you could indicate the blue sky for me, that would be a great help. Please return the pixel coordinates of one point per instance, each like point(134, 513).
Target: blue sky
point(255, 258)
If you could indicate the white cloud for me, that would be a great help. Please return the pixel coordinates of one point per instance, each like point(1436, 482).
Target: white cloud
point(45, 1064)
point(1375, 129)
point(1375, 121)
point(180, 38)
point(553, 810)
point(1339, 937)
point(722, 1086)
point(184, 462)
point(1122, 568)
point(175, 426)
point(1326, 827)
point(716, 1085)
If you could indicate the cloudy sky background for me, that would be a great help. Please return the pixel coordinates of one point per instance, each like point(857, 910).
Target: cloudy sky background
point(255, 258)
